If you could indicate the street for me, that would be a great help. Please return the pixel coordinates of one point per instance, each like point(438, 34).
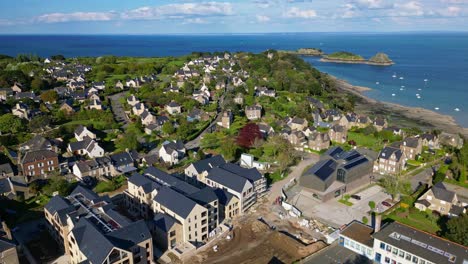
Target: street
point(117, 108)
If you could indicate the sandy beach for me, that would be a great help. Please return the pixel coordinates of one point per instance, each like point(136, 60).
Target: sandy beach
point(399, 115)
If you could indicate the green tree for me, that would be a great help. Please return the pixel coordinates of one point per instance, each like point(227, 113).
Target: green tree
point(456, 229)
point(39, 123)
point(184, 130)
point(396, 185)
point(49, 96)
point(38, 84)
point(229, 149)
point(59, 184)
point(372, 205)
point(168, 128)
point(365, 220)
point(10, 123)
point(200, 154)
point(128, 141)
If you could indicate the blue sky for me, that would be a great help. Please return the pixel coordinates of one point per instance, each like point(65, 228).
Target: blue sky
point(242, 16)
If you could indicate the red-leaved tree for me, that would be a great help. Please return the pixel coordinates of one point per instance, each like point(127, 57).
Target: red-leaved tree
point(248, 134)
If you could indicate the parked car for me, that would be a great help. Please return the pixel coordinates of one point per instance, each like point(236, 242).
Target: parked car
point(386, 203)
point(356, 197)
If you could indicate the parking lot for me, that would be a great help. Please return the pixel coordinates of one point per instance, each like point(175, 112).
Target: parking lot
point(335, 213)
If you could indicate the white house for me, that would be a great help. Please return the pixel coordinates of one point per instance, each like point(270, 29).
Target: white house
point(173, 108)
point(81, 132)
point(87, 147)
point(248, 161)
point(172, 152)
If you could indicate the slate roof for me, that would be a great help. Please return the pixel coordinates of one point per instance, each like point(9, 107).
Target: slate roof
point(228, 179)
point(169, 180)
point(38, 142)
point(224, 197)
point(92, 243)
point(171, 146)
point(78, 145)
point(204, 196)
point(424, 202)
point(389, 151)
point(174, 201)
point(441, 193)
point(422, 244)
point(121, 159)
point(5, 186)
point(322, 169)
point(173, 104)
point(33, 156)
point(164, 222)
point(250, 174)
point(209, 163)
point(57, 203)
point(411, 142)
point(142, 181)
point(130, 235)
point(87, 193)
point(6, 168)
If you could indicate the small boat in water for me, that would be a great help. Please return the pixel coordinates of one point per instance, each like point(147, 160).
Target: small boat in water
point(457, 109)
point(426, 80)
point(402, 86)
point(377, 82)
point(436, 108)
point(393, 94)
point(394, 75)
point(401, 78)
point(419, 89)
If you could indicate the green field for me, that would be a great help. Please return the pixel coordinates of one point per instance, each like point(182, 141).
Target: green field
point(343, 55)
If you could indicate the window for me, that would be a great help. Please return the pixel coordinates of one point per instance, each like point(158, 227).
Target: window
point(341, 175)
point(378, 257)
point(358, 247)
point(382, 245)
point(346, 242)
point(389, 248)
point(387, 260)
point(408, 256)
point(421, 261)
point(415, 259)
point(190, 237)
point(401, 254)
point(395, 251)
point(172, 234)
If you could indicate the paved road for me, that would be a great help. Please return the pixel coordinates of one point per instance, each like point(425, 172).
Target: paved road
point(423, 177)
point(117, 108)
point(296, 172)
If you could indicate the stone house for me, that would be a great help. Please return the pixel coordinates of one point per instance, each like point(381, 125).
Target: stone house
point(338, 133)
point(439, 199)
point(253, 112)
point(390, 161)
point(412, 147)
point(318, 141)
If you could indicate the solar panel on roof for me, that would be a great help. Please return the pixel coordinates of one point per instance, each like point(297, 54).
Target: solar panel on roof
point(352, 156)
point(325, 171)
point(355, 163)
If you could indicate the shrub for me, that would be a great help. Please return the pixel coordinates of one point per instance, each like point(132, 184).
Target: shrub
point(365, 220)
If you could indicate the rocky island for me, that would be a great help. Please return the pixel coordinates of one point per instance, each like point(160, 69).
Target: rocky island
point(380, 59)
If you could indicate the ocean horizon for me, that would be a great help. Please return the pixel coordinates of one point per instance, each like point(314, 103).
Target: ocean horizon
point(430, 70)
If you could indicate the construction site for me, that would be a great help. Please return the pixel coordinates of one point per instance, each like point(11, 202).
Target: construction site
point(265, 235)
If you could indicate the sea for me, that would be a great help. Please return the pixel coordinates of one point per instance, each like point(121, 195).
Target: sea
point(430, 70)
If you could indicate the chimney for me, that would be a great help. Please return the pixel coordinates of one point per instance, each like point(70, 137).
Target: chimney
point(377, 221)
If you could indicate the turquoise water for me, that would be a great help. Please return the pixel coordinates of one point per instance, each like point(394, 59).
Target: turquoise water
point(441, 58)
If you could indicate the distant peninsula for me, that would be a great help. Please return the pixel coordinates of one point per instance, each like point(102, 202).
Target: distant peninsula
point(380, 59)
point(305, 52)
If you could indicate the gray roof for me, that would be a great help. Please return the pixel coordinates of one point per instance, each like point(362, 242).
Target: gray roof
point(411, 142)
point(38, 155)
point(170, 180)
point(5, 186)
point(38, 142)
point(389, 151)
point(147, 184)
point(78, 145)
point(224, 197)
point(204, 196)
point(422, 244)
point(164, 221)
point(6, 168)
point(250, 174)
point(322, 169)
point(89, 194)
point(130, 235)
point(227, 179)
point(92, 243)
point(424, 202)
point(441, 193)
point(209, 163)
point(122, 158)
point(57, 203)
point(171, 146)
point(174, 201)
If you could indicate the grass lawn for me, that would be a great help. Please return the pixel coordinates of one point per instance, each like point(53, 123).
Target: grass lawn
point(96, 123)
point(345, 202)
point(417, 219)
point(465, 185)
point(362, 140)
point(109, 186)
point(414, 163)
point(274, 177)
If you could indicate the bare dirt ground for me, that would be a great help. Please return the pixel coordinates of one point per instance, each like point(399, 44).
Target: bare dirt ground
point(253, 241)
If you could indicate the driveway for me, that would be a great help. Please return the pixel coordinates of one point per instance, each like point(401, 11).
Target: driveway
point(423, 177)
point(117, 108)
point(335, 213)
point(296, 172)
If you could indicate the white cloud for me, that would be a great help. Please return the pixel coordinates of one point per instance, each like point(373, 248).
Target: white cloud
point(411, 8)
point(349, 11)
point(262, 18)
point(372, 4)
point(295, 12)
point(76, 16)
point(450, 11)
point(196, 20)
point(455, 1)
point(5, 22)
point(180, 10)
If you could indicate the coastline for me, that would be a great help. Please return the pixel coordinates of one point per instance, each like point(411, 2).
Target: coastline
point(405, 116)
point(356, 62)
